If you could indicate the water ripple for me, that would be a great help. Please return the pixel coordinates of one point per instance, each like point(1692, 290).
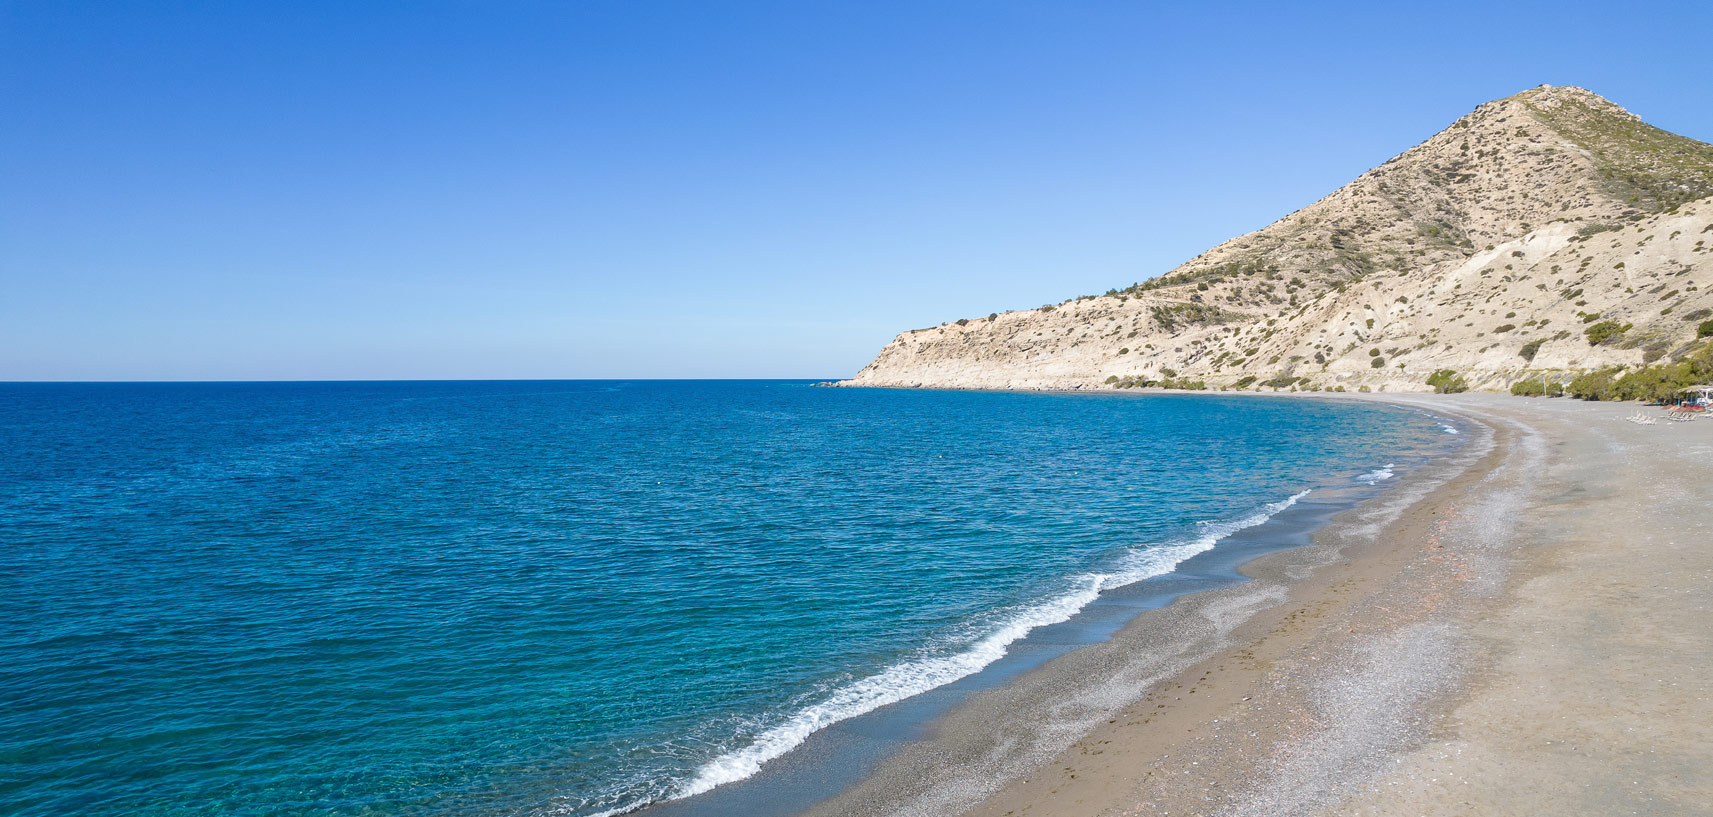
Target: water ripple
point(533, 598)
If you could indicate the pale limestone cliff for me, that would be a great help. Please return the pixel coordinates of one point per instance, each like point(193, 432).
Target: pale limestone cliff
point(1489, 249)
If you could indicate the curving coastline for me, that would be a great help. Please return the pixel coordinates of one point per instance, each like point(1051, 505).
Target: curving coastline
point(994, 753)
point(915, 677)
point(1456, 645)
point(813, 772)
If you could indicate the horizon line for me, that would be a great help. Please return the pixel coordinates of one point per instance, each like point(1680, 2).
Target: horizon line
point(424, 380)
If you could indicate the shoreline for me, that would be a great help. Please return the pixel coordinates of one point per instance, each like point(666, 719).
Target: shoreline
point(1395, 665)
point(841, 759)
point(1336, 678)
point(1244, 697)
point(984, 757)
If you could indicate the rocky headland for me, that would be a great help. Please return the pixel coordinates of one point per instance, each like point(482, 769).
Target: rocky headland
point(1541, 236)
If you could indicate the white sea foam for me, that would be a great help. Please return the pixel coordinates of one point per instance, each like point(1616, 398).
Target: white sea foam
point(890, 685)
point(1447, 427)
point(1157, 561)
point(916, 676)
point(1377, 475)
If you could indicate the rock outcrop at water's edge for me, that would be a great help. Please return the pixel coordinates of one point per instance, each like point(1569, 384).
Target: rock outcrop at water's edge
point(1547, 232)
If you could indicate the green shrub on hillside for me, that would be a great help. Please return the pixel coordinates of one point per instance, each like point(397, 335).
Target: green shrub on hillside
point(1447, 381)
point(1604, 332)
point(1705, 330)
point(1530, 349)
point(1169, 316)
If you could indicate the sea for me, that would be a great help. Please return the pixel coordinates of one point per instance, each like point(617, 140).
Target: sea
point(572, 598)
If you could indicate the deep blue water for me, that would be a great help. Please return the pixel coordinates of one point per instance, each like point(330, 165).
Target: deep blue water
point(564, 597)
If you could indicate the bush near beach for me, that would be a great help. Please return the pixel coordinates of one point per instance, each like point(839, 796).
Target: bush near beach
point(1447, 381)
point(1649, 383)
point(1535, 388)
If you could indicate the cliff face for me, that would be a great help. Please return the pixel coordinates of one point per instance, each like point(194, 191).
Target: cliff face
point(1491, 249)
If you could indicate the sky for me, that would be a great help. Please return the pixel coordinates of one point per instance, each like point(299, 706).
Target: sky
point(635, 189)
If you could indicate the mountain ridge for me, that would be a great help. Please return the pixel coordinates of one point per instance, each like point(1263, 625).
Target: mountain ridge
point(1372, 286)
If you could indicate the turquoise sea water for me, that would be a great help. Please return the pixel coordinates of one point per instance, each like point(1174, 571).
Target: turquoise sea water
point(565, 597)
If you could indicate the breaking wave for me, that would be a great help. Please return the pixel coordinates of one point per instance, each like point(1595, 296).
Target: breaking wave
point(919, 675)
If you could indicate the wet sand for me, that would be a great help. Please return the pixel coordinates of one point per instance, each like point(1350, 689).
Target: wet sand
point(1524, 627)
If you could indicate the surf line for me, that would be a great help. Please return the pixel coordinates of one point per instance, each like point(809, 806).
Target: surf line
point(915, 676)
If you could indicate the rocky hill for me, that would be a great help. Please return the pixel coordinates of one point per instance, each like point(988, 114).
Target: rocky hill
point(1544, 233)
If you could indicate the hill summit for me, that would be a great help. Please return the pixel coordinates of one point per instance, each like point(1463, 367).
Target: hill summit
point(1543, 234)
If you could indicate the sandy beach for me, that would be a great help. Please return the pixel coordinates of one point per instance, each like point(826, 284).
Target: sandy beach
point(1519, 628)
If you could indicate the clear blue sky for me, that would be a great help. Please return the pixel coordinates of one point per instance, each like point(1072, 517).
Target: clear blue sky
point(489, 189)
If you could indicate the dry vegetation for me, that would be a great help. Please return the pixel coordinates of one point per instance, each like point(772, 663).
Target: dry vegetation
point(1551, 231)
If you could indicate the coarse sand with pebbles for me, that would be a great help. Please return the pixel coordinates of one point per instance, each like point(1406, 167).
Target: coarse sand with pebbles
point(1523, 628)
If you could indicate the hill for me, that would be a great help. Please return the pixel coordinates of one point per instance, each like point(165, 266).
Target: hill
point(1550, 231)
